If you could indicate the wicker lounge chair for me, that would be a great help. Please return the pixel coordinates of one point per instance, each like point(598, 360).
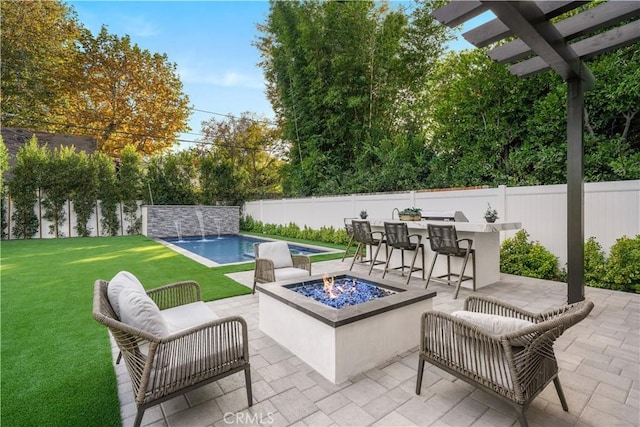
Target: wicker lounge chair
point(164, 367)
point(514, 366)
point(274, 262)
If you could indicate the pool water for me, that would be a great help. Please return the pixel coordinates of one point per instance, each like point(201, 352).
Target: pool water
point(229, 248)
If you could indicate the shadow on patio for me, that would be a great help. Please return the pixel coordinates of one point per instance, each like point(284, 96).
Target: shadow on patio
point(599, 361)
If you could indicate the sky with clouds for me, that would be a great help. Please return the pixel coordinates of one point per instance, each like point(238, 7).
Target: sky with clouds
point(209, 41)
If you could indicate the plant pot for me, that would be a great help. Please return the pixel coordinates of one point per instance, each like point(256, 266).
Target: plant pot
point(491, 220)
point(410, 217)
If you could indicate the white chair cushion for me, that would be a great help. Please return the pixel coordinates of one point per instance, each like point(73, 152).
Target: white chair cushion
point(278, 252)
point(186, 316)
point(139, 311)
point(289, 273)
point(122, 280)
point(494, 324)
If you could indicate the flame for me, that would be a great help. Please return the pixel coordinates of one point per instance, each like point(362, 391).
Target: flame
point(329, 283)
point(333, 290)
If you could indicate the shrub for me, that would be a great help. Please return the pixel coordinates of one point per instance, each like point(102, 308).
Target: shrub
point(623, 265)
point(293, 231)
point(594, 264)
point(522, 257)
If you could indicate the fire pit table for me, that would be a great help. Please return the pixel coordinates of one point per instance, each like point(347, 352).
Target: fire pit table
point(378, 321)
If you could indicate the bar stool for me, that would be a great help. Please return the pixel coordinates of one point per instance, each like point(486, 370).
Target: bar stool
point(365, 237)
point(398, 237)
point(444, 241)
point(348, 225)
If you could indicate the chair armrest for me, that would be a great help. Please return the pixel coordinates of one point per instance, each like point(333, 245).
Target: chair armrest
point(468, 241)
point(264, 272)
point(175, 294)
point(489, 305)
point(419, 236)
point(302, 261)
point(514, 364)
point(195, 354)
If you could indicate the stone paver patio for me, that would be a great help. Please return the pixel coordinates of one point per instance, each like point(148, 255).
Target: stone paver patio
point(599, 363)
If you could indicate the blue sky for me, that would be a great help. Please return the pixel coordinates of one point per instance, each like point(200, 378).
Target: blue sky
point(210, 41)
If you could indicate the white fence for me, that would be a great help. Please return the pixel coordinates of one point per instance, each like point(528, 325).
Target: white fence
point(611, 210)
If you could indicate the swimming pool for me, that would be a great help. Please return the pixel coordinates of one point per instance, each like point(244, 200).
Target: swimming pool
point(230, 248)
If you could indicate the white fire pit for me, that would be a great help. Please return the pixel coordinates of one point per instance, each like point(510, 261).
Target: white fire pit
point(340, 343)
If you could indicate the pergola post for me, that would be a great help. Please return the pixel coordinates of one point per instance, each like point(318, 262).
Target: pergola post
point(575, 190)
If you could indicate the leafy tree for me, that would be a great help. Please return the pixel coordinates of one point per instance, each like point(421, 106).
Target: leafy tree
point(125, 95)
point(250, 148)
point(57, 187)
point(343, 77)
point(107, 193)
point(130, 184)
point(85, 192)
point(38, 41)
point(4, 166)
point(172, 179)
point(28, 173)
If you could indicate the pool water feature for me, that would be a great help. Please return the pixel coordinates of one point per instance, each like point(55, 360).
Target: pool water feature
point(341, 291)
point(229, 248)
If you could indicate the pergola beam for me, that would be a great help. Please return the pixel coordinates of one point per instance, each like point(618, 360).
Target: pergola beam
point(616, 38)
point(575, 26)
point(528, 22)
point(455, 13)
point(496, 30)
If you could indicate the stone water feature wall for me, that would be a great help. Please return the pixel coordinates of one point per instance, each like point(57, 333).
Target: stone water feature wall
point(170, 220)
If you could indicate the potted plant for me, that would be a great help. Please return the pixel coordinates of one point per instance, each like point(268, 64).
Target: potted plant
point(363, 214)
point(491, 214)
point(411, 214)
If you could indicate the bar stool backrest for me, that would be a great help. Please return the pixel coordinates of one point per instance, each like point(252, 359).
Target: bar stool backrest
point(444, 239)
point(362, 232)
point(397, 235)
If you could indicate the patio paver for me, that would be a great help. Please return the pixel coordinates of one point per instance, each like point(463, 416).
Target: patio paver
point(599, 361)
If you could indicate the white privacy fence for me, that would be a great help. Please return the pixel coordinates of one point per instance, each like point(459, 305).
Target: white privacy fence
point(611, 209)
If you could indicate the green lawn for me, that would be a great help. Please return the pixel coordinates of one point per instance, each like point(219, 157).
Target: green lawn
point(56, 359)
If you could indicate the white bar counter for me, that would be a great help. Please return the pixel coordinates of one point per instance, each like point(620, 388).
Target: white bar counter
point(486, 242)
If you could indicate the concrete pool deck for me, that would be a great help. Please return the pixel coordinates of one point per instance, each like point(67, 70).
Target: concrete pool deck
point(599, 361)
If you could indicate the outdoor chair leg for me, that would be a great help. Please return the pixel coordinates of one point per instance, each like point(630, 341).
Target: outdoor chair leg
point(346, 251)
point(353, 261)
point(386, 265)
point(433, 264)
point(420, 373)
point(375, 258)
point(521, 417)
point(247, 380)
point(138, 419)
point(461, 275)
point(563, 400)
point(413, 261)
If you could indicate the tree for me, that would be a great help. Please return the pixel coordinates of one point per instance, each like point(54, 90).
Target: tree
point(4, 166)
point(57, 186)
point(251, 150)
point(130, 184)
point(172, 179)
point(38, 41)
point(125, 95)
point(85, 192)
point(345, 78)
point(28, 175)
point(107, 193)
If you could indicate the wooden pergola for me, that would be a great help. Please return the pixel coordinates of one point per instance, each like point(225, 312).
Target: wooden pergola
point(535, 45)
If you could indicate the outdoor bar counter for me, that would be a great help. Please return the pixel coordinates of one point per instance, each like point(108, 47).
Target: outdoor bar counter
point(486, 242)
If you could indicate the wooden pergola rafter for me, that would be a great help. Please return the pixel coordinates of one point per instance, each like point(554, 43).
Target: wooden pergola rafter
point(539, 45)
